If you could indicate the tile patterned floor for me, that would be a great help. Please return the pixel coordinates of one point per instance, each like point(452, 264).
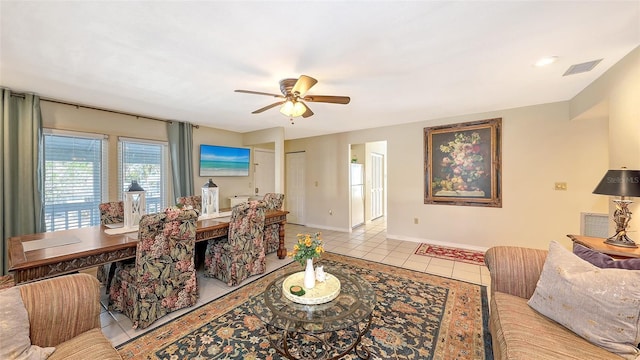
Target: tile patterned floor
point(367, 241)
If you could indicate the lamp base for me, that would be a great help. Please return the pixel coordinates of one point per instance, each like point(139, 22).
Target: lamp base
point(621, 239)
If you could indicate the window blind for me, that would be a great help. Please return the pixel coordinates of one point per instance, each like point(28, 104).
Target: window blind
point(74, 180)
point(145, 162)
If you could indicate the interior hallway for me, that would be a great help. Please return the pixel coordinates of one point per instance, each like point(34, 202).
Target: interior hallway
point(368, 241)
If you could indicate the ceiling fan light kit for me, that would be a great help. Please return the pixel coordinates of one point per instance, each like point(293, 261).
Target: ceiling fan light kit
point(293, 109)
point(293, 94)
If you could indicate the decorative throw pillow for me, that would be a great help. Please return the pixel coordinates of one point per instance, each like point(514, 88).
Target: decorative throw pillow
point(600, 305)
point(603, 260)
point(14, 329)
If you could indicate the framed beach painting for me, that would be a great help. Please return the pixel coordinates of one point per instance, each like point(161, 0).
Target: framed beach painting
point(462, 164)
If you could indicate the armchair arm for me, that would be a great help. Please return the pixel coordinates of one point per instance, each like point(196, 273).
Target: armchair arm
point(61, 308)
point(514, 270)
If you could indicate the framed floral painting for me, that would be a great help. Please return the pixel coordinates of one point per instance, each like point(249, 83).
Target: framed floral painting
point(462, 164)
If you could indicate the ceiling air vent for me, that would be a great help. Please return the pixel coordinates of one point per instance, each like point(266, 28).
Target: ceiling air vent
point(580, 68)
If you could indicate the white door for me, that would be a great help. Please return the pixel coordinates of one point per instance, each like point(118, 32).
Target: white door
point(294, 187)
point(377, 185)
point(264, 171)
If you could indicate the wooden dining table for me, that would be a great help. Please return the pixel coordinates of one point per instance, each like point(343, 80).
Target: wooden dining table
point(44, 255)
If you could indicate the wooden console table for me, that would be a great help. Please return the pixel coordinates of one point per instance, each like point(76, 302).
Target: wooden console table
point(77, 249)
point(598, 244)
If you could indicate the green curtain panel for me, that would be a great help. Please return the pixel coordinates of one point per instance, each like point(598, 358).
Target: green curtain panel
point(180, 136)
point(21, 171)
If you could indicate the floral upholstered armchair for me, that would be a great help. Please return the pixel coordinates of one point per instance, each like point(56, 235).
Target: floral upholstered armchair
point(272, 232)
point(241, 254)
point(194, 201)
point(110, 213)
point(163, 277)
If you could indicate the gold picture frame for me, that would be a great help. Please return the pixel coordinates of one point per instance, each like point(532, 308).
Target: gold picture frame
point(462, 164)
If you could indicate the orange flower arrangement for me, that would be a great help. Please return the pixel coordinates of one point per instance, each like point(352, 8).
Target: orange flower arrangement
point(309, 246)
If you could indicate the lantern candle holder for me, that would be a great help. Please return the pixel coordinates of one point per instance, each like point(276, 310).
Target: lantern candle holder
point(210, 204)
point(134, 205)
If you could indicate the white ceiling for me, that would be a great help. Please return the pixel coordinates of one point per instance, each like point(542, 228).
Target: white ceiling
point(399, 61)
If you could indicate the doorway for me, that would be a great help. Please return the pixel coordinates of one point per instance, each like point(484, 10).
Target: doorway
point(377, 185)
point(371, 158)
point(264, 173)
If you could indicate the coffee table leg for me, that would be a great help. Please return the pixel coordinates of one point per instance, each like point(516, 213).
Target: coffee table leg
point(361, 350)
point(282, 339)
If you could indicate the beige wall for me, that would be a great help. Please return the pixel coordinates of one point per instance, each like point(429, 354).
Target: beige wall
point(228, 186)
point(326, 180)
point(540, 147)
point(272, 139)
point(616, 96)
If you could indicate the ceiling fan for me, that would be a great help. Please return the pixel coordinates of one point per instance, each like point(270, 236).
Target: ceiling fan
point(293, 97)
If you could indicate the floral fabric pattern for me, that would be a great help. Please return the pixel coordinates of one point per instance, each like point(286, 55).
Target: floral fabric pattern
point(241, 254)
point(193, 201)
point(272, 232)
point(111, 212)
point(163, 278)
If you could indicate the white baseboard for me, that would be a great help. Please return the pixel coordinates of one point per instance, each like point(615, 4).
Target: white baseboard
point(436, 242)
point(327, 227)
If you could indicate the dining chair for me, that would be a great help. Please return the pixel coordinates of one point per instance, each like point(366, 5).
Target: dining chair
point(242, 253)
point(272, 232)
point(110, 213)
point(163, 277)
point(194, 201)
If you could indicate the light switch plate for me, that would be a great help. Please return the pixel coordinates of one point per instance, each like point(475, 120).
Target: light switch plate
point(560, 186)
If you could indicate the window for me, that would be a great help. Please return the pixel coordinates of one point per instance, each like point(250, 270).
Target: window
point(146, 162)
point(74, 180)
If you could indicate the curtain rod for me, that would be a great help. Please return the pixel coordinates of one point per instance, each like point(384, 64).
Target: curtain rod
point(77, 106)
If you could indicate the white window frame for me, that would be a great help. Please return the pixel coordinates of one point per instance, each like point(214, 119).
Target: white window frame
point(123, 183)
point(89, 216)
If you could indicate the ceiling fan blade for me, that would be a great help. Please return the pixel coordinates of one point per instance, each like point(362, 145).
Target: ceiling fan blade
point(267, 107)
point(259, 93)
point(307, 113)
point(303, 85)
point(328, 99)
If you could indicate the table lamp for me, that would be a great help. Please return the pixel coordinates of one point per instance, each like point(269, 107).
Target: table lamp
point(623, 183)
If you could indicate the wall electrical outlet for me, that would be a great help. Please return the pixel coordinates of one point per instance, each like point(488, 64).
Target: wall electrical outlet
point(330, 212)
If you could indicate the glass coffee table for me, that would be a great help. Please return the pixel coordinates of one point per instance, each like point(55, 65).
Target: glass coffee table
point(326, 330)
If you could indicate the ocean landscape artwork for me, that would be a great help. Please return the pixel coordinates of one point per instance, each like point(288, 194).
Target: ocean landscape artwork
point(224, 161)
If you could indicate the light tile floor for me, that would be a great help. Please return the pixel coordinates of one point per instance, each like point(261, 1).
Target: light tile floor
point(368, 241)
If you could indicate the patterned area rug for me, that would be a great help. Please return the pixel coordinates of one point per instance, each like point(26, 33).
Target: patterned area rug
point(419, 316)
point(443, 252)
